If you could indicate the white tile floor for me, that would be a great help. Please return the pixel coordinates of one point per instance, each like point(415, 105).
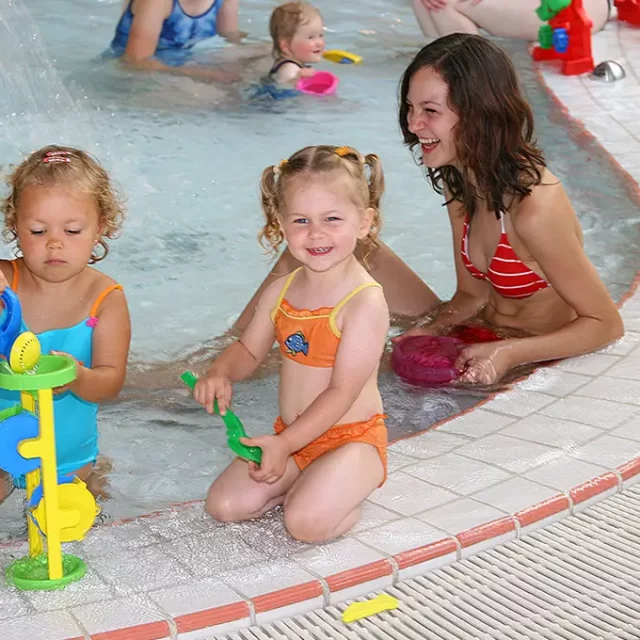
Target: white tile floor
point(560, 428)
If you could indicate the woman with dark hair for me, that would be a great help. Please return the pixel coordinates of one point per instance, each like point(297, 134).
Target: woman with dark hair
point(519, 257)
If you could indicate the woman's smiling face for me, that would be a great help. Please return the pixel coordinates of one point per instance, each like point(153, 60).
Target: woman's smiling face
point(430, 118)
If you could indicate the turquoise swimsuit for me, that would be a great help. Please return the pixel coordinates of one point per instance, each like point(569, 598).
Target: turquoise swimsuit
point(180, 32)
point(76, 425)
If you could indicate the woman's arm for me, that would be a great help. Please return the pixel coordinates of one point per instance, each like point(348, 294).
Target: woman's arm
point(406, 294)
point(110, 351)
point(546, 224)
point(228, 21)
point(240, 359)
point(143, 40)
point(471, 294)
point(145, 32)
point(364, 331)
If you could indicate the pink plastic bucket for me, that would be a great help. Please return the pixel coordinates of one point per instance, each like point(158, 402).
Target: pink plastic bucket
point(427, 361)
point(321, 83)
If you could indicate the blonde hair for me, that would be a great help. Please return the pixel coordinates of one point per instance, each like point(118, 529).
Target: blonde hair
point(322, 159)
point(57, 165)
point(286, 20)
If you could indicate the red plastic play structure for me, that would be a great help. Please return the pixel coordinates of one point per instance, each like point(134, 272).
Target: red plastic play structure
point(566, 36)
point(629, 11)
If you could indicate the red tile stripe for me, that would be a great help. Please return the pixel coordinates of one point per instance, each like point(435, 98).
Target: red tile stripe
point(542, 510)
point(485, 531)
point(211, 617)
point(593, 487)
point(629, 469)
point(365, 573)
point(150, 631)
point(428, 552)
point(285, 597)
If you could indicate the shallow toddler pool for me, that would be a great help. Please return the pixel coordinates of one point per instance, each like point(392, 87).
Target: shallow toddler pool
point(189, 156)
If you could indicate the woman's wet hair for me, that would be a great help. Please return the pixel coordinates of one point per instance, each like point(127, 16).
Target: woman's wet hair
point(498, 159)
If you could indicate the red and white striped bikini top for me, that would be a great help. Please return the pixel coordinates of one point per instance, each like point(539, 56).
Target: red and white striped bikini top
point(508, 275)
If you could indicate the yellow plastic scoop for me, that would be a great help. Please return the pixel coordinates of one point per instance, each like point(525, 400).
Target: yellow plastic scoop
point(358, 610)
point(25, 353)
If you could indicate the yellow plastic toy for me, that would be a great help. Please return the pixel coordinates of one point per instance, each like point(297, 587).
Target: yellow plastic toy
point(341, 57)
point(358, 610)
point(57, 512)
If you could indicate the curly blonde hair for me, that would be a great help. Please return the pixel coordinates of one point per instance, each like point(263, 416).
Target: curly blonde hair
point(364, 173)
point(286, 20)
point(56, 165)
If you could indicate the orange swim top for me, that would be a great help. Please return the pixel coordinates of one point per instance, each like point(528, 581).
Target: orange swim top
point(309, 337)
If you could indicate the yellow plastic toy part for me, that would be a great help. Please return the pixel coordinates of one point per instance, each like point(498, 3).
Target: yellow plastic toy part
point(76, 511)
point(358, 610)
point(25, 353)
point(342, 57)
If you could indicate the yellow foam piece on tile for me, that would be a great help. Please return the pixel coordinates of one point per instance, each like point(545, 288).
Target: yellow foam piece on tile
point(358, 610)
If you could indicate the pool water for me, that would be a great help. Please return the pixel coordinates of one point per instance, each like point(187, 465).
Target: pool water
point(188, 156)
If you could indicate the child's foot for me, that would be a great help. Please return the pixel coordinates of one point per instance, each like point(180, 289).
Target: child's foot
point(6, 486)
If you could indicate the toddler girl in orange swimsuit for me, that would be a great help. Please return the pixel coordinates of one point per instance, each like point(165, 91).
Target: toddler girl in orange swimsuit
point(330, 319)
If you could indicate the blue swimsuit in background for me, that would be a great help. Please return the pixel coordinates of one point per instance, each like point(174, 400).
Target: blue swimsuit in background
point(180, 32)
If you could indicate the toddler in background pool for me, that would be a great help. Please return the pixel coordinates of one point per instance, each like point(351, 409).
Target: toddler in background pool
point(297, 31)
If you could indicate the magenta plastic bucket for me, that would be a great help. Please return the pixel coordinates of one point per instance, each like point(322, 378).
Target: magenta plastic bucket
point(321, 83)
point(427, 361)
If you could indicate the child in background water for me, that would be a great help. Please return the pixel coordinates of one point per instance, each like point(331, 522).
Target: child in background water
point(330, 319)
point(61, 209)
point(297, 32)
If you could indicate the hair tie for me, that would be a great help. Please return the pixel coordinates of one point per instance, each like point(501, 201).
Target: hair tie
point(56, 156)
point(343, 151)
point(277, 168)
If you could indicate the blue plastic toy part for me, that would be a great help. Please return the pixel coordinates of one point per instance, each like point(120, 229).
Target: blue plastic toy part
point(19, 425)
point(11, 321)
point(560, 40)
point(36, 496)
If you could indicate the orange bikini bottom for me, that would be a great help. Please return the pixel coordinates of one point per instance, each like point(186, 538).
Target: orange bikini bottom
point(373, 432)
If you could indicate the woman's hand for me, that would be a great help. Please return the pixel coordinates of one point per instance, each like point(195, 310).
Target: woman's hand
point(274, 458)
point(211, 388)
point(483, 363)
point(428, 330)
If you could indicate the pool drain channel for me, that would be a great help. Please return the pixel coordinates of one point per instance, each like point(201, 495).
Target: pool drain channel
point(575, 580)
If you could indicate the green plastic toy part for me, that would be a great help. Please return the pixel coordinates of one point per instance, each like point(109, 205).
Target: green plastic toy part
point(235, 429)
point(32, 574)
point(551, 8)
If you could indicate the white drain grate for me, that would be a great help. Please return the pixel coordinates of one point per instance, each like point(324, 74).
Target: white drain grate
point(575, 580)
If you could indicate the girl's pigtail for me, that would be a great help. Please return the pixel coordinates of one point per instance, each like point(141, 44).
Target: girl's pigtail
point(376, 189)
point(271, 235)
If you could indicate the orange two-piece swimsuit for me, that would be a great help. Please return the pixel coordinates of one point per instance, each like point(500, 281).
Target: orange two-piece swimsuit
point(312, 338)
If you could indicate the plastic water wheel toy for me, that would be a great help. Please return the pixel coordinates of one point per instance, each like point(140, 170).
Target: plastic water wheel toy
point(60, 510)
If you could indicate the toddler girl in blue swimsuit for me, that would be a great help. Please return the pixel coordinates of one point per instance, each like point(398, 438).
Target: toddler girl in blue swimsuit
point(61, 209)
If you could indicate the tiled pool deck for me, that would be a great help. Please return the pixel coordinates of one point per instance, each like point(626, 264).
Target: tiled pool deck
point(565, 437)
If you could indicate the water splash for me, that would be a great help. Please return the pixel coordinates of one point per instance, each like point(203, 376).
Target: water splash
point(36, 108)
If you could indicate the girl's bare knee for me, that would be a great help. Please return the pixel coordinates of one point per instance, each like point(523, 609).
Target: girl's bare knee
point(221, 508)
point(307, 525)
